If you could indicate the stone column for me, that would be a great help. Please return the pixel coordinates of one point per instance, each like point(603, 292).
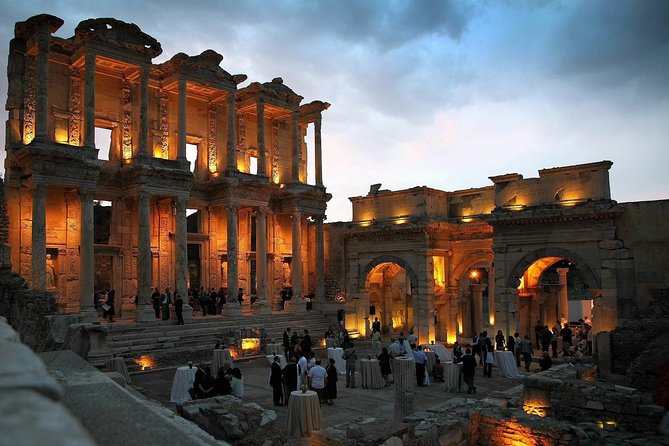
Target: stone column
point(181, 248)
point(181, 145)
point(404, 374)
point(452, 330)
point(89, 100)
point(320, 259)
point(477, 301)
point(491, 296)
point(295, 157)
point(296, 262)
point(232, 154)
point(233, 269)
point(42, 105)
point(87, 257)
point(563, 300)
point(261, 260)
point(318, 156)
point(144, 112)
point(262, 151)
point(38, 237)
point(144, 308)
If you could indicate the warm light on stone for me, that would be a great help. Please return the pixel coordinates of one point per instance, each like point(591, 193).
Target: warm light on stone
point(146, 362)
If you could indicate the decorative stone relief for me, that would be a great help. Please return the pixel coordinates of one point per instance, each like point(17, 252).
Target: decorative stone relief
point(30, 104)
point(164, 123)
point(164, 245)
point(75, 106)
point(211, 142)
point(126, 120)
point(214, 278)
point(241, 132)
point(275, 151)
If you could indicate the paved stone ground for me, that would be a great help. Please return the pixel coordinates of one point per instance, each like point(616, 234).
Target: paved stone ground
point(350, 404)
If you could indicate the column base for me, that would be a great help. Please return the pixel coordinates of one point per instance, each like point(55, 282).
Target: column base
point(88, 315)
point(232, 309)
point(187, 313)
point(145, 313)
point(246, 308)
point(265, 308)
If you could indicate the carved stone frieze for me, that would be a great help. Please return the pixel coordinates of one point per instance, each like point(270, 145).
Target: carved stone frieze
point(241, 131)
point(119, 34)
point(164, 102)
point(275, 151)
point(75, 107)
point(30, 102)
point(126, 120)
point(211, 137)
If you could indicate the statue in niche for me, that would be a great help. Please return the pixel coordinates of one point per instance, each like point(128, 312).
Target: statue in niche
point(50, 272)
point(286, 273)
point(224, 274)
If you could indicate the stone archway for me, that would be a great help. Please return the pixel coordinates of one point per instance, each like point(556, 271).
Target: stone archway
point(512, 280)
point(389, 286)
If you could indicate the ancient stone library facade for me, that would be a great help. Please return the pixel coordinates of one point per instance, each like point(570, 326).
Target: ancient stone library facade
point(127, 175)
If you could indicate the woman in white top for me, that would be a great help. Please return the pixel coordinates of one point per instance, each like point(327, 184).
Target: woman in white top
point(237, 383)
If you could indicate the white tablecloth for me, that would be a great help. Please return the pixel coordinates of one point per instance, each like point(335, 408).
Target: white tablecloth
point(336, 354)
point(453, 376)
point(282, 360)
point(331, 342)
point(304, 414)
point(507, 363)
point(439, 350)
point(220, 359)
point(183, 380)
point(370, 374)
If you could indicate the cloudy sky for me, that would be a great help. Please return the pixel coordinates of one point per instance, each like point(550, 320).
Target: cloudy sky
point(436, 93)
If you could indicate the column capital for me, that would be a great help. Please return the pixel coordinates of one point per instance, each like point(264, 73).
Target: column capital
point(562, 271)
point(180, 203)
point(262, 210)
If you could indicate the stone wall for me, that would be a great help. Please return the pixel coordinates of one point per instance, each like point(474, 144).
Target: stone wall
point(27, 311)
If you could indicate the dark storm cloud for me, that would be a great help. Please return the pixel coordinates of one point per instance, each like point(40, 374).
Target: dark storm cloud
point(612, 43)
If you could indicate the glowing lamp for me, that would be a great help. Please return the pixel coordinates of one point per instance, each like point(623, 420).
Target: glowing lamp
point(250, 344)
point(146, 362)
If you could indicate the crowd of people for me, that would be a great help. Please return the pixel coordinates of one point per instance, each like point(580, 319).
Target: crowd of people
point(228, 381)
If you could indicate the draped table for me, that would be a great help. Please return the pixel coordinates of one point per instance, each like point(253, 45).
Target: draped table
point(304, 413)
point(183, 380)
point(220, 359)
point(439, 350)
point(118, 364)
point(453, 376)
point(331, 342)
point(370, 374)
point(274, 349)
point(282, 360)
point(506, 362)
point(336, 354)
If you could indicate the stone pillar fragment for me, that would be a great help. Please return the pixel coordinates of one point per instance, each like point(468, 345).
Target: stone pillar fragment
point(261, 260)
point(144, 112)
point(38, 237)
point(232, 154)
point(563, 298)
point(491, 296)
point(145, 310)
point(262, 155)
point(233, 267)
point(181, 246)
point(295, 153)
point(42, 106)
point(318, 156)
point(86, 257)
point(404, 374)
point(181, 146)
point(477, 300)
point(296, 262)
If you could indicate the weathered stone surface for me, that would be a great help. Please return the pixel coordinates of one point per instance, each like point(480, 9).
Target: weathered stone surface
point(88, 341)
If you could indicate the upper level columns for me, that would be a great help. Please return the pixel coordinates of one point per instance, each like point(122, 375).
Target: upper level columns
point(318, 156)
point(262, 154)
point(563, 298)
point(491, 295)
point(296, 262)
point(87, 257)
point(181, 146)
point(295, 155)
point(144, 310)
point(232, 154)
point(42, 105)
point(89, 99)
point(477, 300)
point(320, 258)
point(261, 259)
point(232, 232)
point(144, 112)
point(38, 237)
point(181, 248)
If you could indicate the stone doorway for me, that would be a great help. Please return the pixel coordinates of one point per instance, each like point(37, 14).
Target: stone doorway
point(389, 293)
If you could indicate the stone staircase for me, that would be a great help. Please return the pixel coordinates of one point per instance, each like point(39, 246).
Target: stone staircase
point(171, 343)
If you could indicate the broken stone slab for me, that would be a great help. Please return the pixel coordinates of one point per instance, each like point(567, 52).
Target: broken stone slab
point(59, 324)
point(89, 341)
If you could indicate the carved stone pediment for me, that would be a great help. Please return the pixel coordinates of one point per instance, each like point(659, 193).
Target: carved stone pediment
point(118, 33)
point(36, 23)
point(207, 64)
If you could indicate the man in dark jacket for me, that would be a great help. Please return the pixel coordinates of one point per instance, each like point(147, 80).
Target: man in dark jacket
point(469, 370)
point(276, 382)
point(290, 379)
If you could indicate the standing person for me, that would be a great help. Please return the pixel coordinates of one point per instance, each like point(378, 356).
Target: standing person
point(155, 300)
point(476, 348)
point(516, 348)
point(178, 308)
point(317, 375)
point(566, 338)
point(376, 325)
point(554, 340)
point(469, 370)
point(165, 304)
point(331, 382)
point(306, 342)
point(499, 340)
point(545, 337)
point(526, 351)
point(276, 382)
point(394, 348)
point(286, 344)
point(488, 358)
point(384, 363)
point(240, 296)
point(237, 383)
point(537, 332)
point(511, 345)
point(376, 342)
point(211, 301)
point(412, 339)
point(438, 371)
point(457, 352)
point(110, 302)
point(290, 374)
point(203, 299)
point(350, 356)
point(302, 368)
point(421, 359)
